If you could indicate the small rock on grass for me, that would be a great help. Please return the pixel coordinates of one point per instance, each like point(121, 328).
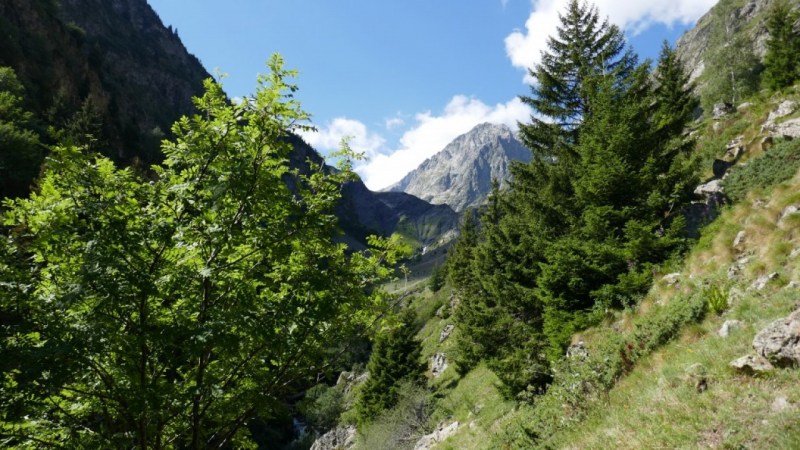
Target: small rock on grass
point(752, 365)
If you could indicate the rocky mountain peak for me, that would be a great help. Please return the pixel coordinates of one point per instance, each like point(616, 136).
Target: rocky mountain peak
point(461, 174)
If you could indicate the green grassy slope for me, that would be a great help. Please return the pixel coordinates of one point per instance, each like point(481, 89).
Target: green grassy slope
point(638, 387)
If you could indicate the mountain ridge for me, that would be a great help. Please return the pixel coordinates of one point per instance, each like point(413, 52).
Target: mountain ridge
point(461, 174)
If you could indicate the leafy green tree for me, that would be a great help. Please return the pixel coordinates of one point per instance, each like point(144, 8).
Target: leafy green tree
point(20, 151)
point(171, 311)
point(781, 65)
point(395, 358)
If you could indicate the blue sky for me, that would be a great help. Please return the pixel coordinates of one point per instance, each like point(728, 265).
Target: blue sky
point(403, 78)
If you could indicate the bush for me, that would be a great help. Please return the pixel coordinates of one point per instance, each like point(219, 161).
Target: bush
point(403, 425)
point(777, 165)
point(322, 407)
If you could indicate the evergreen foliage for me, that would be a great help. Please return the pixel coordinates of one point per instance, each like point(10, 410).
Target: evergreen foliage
point(395, 358)
point(583, 45)
point(174, 309)
point(781, 62)
point(583, 225)
point(20, 150)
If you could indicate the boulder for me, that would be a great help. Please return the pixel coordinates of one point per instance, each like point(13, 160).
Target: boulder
point(441, 433)
point(795, 253)
point(751, 365)
point(763, 281)
point(733, 154)
point(789, 129)
point(339, 438)
point(448, 329)
point(709, 189)
point(784, 109)
point(779, 342)
point(729, 326)
point(793, 285)
point(438, 364)
point(787, 212)
point(721, 110)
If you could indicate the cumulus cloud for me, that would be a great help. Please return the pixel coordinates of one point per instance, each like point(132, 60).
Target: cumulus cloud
point(524, 47)
point(330, 136)
point(430, 133)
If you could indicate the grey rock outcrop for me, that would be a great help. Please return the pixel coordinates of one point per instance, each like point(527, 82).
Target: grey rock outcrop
point(709, 189)
point(737, 267)
point(789, 129)
point(779, 342)
point(461, 174)
point(763, 281)
point(446, 331)
point(441, 433)
point(339, 438)
point(721, 110)
point(349, 380)
point(438, 364)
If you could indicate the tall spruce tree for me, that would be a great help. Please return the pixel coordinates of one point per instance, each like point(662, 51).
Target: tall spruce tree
point(582, 225)
point(395, 358)
point(781, 63)
point(583, 46)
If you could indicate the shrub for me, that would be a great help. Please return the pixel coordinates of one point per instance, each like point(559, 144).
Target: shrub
point(322, 407)
point(779, 164)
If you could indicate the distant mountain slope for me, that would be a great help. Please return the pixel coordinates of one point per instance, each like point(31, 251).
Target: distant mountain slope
point(738, 16)
point(362, 212)
point(140, 79)
point(461, 174)
point(136, 73)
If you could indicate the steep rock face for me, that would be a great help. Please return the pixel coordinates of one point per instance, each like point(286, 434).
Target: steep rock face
point(117, 53)
point(738, 16)
point(461, 174)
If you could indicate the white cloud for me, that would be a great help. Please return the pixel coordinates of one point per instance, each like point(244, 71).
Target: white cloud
point(330, 136)
point(431, 133)
point(394, 122)
point(524, 47)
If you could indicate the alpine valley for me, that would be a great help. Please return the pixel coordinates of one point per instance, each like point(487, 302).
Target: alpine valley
point(179, 270)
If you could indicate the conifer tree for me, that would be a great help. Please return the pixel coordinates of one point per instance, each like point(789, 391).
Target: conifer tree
point(781, 63)
point(583, 223)
point(583, 45)
point(395, 358)
point(20, 150)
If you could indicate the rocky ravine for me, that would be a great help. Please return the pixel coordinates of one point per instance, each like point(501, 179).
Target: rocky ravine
point(461, 174)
